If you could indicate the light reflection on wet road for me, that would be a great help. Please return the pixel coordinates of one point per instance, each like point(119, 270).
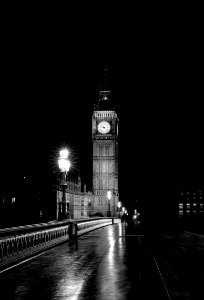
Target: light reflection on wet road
point(109, 263)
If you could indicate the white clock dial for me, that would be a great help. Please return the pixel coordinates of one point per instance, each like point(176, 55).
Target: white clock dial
point(104, 127)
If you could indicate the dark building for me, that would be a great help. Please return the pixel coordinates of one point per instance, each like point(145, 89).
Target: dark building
point(191, 207)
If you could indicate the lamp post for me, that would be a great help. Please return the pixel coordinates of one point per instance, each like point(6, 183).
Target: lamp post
point(109, 195)
point(119, 206)
point(64, 166)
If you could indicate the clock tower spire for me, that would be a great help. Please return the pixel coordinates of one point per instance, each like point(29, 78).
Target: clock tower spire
point(105, 151)
point(105, 86)
point(104, 99)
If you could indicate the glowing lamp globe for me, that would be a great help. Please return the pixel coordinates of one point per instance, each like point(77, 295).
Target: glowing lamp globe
point(64, 164)
point(64, 153)
point(109, 195)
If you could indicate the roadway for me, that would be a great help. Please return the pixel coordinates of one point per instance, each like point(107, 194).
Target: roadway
point(113, 262)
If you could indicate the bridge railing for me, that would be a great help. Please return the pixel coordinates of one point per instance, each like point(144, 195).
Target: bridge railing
point(17, 246)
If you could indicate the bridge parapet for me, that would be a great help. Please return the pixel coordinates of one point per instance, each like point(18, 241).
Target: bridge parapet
point(18, 246)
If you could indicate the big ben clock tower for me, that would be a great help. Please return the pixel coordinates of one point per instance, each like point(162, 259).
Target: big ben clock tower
point(105, 154)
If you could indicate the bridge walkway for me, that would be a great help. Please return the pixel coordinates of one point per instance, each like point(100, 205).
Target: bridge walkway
point(112, 262)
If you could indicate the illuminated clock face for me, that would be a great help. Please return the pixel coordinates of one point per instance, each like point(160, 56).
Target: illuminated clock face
point(104, 127)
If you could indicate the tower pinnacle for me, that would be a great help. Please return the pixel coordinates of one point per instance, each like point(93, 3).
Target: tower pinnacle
point(104, 99)
point(104, 93)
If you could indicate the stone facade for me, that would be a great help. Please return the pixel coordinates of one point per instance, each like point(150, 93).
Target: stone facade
point(105, 156)
point(78, 204)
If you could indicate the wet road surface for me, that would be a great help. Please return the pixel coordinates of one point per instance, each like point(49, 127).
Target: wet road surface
point(184, 253)
point(113, 262)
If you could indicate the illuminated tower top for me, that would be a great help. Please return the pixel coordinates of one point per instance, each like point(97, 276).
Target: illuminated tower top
point(105, 83)
point(104, 100)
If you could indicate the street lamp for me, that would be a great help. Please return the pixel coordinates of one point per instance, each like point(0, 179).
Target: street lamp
point(64, 166)
point(109, 195)
point(119, 206)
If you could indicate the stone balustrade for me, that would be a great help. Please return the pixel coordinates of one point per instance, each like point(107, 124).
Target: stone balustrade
point(18, 247)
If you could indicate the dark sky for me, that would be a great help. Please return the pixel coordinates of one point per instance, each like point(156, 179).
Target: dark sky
point(50, 79)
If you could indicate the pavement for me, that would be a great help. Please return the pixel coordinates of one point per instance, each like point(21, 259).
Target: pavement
point(111, 263)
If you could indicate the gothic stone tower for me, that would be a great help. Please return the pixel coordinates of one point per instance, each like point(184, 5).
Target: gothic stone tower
point(105, 155)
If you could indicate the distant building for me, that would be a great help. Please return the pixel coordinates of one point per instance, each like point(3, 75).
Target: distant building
point(26, 203)
point(79, 204)
point(20, 201)
point(191, 203)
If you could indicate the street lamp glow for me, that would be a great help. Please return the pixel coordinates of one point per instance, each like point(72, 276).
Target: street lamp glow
point(119, 206)
point(64, 164)
point(64, 153)
point(109, 195)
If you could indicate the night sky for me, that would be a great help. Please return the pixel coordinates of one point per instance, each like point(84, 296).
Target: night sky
point(51, 76)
